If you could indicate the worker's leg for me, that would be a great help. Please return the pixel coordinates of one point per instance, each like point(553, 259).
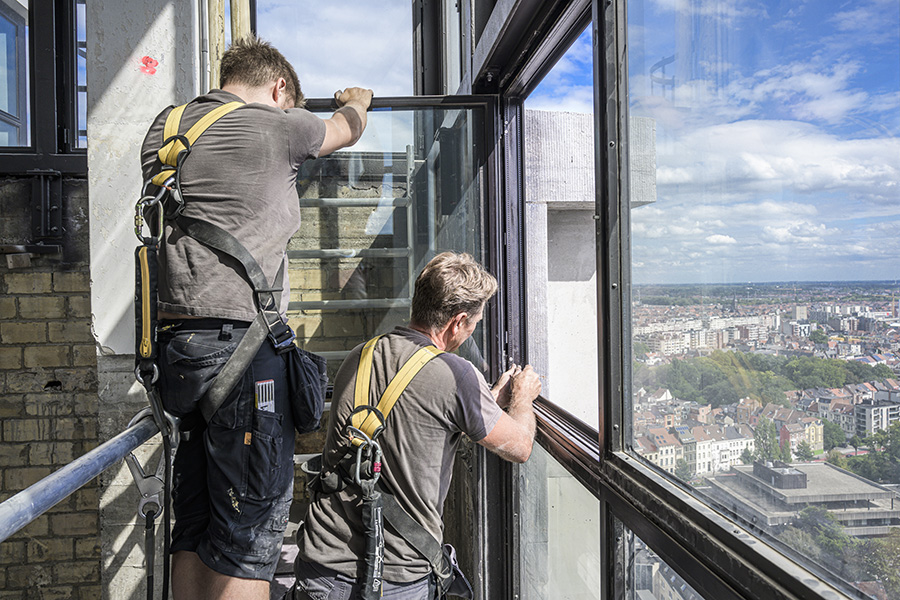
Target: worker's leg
point(315, 581)
point(193, 580)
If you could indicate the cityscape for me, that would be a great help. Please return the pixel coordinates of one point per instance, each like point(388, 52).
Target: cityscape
point(780, 402)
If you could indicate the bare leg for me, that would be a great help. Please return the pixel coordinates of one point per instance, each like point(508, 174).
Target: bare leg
point(193, 580)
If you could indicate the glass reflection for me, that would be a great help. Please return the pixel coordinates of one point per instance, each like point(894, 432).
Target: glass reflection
point(559, 542)
point(560, 251)
point(765, 150)
point(373, 215)
point(648, 577)
point(14, 92)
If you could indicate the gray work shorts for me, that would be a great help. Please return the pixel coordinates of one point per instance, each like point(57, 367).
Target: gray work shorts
point(316, 582)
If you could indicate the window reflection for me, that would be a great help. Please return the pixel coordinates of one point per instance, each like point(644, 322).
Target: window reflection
point(14, 92)
point(648, 577)
point(764, 159)
point(560, 233)
point(373, 215)
point(559, 540)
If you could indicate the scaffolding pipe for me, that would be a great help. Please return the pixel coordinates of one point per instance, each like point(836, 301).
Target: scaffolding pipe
point(29, 504)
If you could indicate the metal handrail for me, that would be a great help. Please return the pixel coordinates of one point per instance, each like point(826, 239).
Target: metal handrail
point(29, 504)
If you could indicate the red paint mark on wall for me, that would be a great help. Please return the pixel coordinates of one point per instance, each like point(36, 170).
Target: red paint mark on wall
point(150, 65)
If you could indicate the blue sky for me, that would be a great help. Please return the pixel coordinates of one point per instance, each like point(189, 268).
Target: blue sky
point(777, 147)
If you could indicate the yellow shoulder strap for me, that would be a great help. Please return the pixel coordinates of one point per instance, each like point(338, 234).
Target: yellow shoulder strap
point(368, 422)
point(168, 154)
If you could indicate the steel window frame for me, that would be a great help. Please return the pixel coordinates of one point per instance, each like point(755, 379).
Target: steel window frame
point(52, 84)
point(716, 555)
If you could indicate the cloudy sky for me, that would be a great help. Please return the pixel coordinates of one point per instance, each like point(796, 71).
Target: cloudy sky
point(777, 124)
point(777, 129)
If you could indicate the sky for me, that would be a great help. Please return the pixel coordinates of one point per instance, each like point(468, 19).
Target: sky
point(777, 124)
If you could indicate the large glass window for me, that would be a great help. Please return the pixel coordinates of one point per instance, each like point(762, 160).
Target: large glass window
point(560, 251)
point(559, 546)
point(14, 115)
point(764, 152)
point(373, 215)
point(333, 45)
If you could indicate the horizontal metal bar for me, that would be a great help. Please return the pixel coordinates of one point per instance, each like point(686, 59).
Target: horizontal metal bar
point(352, 202)
point(29, 504)
point(348, 253)
point(408, 102)
point(360, 303)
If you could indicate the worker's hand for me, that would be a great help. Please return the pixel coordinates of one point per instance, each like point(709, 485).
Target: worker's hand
point(525, 385)
point(501, 389)
point(361, 96)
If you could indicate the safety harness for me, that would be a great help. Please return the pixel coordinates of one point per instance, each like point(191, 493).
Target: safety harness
point(167, 204)
point(359, 467)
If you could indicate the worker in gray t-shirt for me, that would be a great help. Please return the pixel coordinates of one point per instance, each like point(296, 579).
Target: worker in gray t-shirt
point(446, 399)
point(233, 476)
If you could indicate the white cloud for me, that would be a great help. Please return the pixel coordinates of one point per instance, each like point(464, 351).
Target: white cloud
point(719, 240)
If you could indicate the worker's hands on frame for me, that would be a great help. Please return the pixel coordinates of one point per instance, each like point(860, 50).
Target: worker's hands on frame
point(501, 389)
point(354, 94)
point(525, 385)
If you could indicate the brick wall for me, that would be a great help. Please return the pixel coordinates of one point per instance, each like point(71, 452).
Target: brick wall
point(48, 400)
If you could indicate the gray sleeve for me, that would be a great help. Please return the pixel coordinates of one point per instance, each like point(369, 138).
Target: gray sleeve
point(478, 411)
point(306, 133)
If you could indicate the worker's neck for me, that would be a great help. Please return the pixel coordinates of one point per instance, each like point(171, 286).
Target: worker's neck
point(437, 338)
point(262, 95)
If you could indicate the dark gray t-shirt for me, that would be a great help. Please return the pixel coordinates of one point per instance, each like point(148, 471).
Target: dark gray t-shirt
point(241, 175)
point(446, 399)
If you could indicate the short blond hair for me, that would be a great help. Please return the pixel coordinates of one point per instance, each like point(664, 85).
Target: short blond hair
point(451, 283)
point(254, 62)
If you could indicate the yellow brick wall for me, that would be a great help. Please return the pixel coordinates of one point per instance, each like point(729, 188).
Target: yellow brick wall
point(48, 409)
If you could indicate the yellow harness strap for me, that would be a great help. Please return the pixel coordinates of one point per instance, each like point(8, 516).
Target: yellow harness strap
point(146, 330)
point(168, 154)
point(368, 422)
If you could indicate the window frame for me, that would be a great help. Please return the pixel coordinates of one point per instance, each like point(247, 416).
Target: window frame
point(712, 552)
point(51, 77)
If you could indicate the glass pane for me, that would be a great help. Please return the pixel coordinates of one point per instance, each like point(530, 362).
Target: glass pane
point(648, 577)
point(333, 45)
point(374, 215)
point(14, 92)
point(557, 511)
point(764, 156)
point(80, 75)
point(560, 231)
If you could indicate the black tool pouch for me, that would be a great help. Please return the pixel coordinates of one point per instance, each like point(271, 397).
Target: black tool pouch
point(307, 378)
point(452, 581)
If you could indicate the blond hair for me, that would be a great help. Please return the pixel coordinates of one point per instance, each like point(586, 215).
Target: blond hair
point(451, 283)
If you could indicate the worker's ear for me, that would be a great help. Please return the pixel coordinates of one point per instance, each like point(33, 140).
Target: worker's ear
point(279, 90)
point(458, 321)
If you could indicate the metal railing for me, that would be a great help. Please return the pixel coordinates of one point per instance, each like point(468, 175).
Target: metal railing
point(29, 504)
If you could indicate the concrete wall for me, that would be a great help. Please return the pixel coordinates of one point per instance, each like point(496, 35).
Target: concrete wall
point(125, 92)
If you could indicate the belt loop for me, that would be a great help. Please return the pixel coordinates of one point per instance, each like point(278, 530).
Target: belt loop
point(225, 333)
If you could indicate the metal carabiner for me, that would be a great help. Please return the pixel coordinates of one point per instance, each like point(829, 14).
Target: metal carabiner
point(152, 486)
point(146, 201)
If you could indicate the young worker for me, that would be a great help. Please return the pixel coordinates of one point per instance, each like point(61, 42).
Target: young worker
point(233, 476)
point(447, 398)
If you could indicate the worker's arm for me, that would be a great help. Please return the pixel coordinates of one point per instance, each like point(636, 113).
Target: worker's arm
point(348, 122)
point(513, 436)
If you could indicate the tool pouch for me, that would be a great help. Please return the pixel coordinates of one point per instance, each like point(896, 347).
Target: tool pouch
point(452, 582)
point(307, 378)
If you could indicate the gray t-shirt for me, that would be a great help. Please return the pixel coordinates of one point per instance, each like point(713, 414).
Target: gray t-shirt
point(241, 175)
point(446, 399)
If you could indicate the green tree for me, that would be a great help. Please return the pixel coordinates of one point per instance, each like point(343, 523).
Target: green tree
point(766, 441)
point(883, 561)
point(804, 451)
point(818, 337)
point(837, 458)
point(747, 457)
point(882, 372)
point(785, 452)
point(683, 470)
point(833, 435)
point(856, 442)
